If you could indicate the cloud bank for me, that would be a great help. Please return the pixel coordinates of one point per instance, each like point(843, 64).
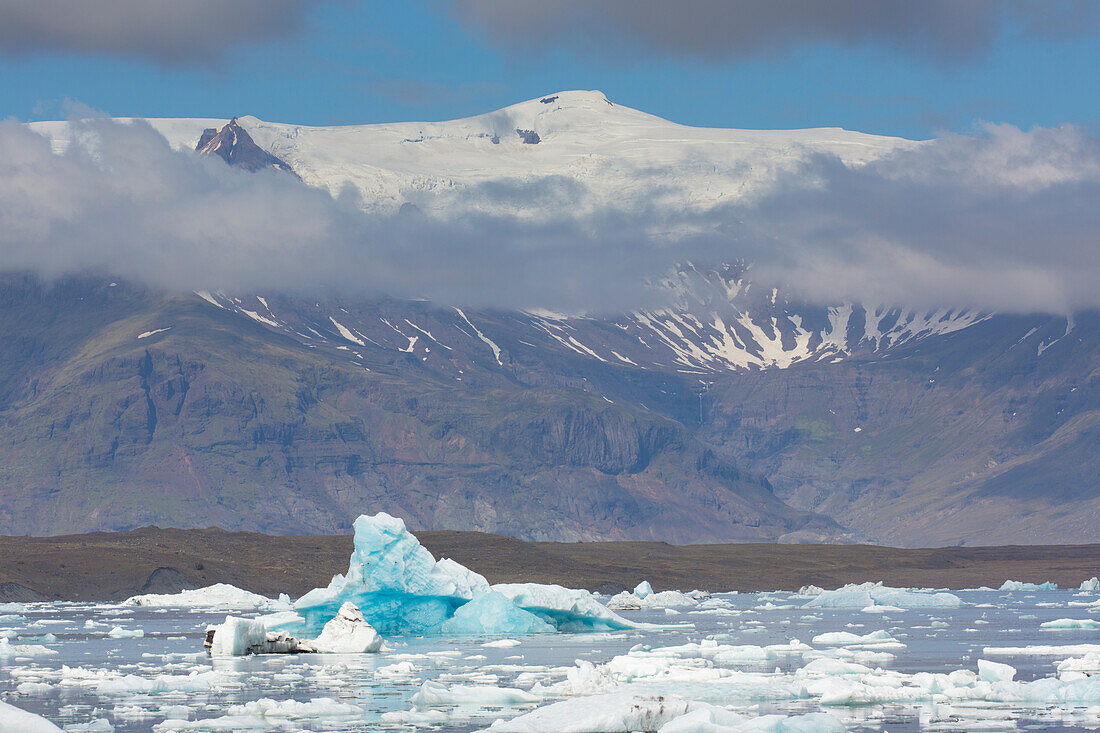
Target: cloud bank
point(1004, 220)
point(169, 32)
point(943, 30)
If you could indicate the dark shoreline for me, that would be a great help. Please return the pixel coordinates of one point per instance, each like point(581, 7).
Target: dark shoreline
point(111, 566)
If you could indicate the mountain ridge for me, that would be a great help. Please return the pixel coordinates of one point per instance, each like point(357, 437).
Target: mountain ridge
point(731, 413)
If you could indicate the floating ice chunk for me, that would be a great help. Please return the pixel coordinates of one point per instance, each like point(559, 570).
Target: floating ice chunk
point(1080, 666)
point(995, 671)
point(717, 720)
point(565, 608)
point(318, 707)
point(874, 640)
point(394, 581)
point(433, 694)
point(1018, 585)
point(622, 712)
point(220, 595)
point(120, 633)
point(424, 718)
point(96, 726)
point(237, 637)
point(643, 589)
point(347, 633)
point(16, 719)
point(1092, 584)
point(862, 595)
point(609, 713)
point(7, 649)
point(1066, 624)
point(810, 590)
point(494, 613)
point(1043, 650)
point(502, 643)
point(665, 599)
point(397, 670)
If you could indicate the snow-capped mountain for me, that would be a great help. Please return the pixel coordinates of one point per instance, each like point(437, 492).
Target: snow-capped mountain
point(617, 156)
point(732, 412)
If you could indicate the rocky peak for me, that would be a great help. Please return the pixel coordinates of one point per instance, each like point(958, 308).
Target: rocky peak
point(235, 146)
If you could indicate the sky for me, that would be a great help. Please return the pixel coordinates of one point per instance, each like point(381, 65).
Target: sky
point(912, 69)
point(997, 212)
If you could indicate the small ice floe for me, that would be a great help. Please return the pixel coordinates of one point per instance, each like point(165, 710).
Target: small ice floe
point(874, 640)
point(434, 694)
point(120, 633)
point(1068, 624)
point(864, 595)
point(1016, 585)
point(644, 597)
point(1043, 650)
point(266, 713)
point(1079, 667)
point(625, 711)
point(18, 720)
point(7, 649)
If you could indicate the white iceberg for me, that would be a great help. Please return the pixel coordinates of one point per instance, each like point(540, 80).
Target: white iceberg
point(623, 712)
point(1092, 585)
point(862, 596)
point(120, 633)
point(7, 649)
point(644, 596)
point(1018, 585)
point(567, 609)
point(848, 640)
point(1070, 624)
point(995, 671)
point(432, 694)
point(346, 633)
point(15, 720)
point(219, 595)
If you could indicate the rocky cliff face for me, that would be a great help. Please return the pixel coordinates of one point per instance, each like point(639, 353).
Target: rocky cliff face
point(121, 408)
point(135, 409)
point(236, 147)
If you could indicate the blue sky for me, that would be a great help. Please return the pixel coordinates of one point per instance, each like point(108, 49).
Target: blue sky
point(350, 62)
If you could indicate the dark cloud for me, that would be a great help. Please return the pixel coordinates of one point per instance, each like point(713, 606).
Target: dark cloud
point(1005, 220)
point(121, 202)
point(165, 31)
point(944, 30)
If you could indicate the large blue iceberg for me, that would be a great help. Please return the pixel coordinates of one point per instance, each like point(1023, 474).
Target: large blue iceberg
point(400, 588)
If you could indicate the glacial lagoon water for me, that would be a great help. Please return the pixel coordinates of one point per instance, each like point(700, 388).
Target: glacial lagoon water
point(100, 676)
